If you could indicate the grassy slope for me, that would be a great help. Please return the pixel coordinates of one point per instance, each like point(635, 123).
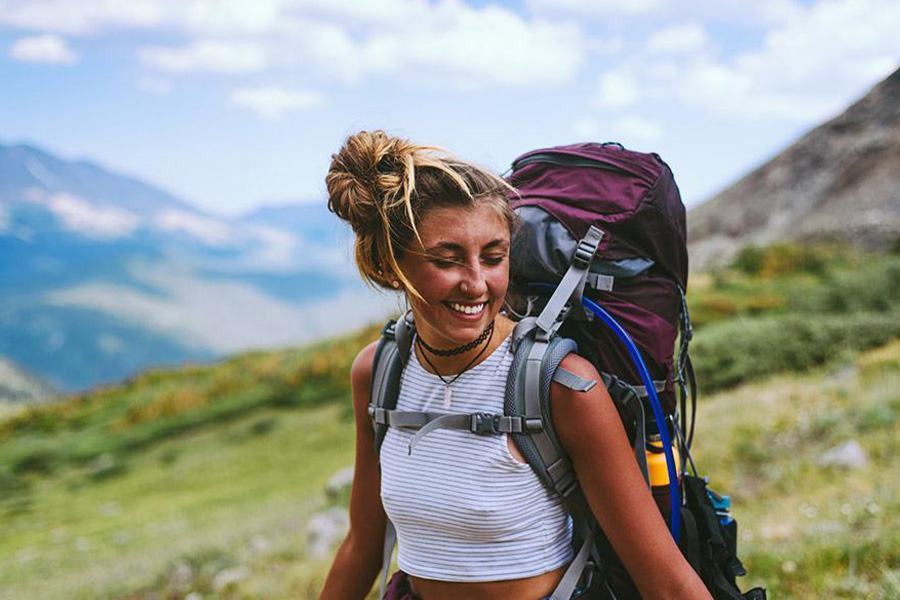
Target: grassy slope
point(150, 488)
point(812, 531)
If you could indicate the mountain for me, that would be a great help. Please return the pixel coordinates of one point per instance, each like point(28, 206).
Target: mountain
point(102, 275)
point(840, 181)
point(17, 386)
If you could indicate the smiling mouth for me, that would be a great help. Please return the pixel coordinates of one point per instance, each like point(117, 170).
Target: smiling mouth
point(466, 309)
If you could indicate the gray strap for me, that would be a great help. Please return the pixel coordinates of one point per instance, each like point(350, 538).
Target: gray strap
point(390, 538)
point(572, 381)
point(658, 385)
point(557, 466)
point(403, 330)
point(521, 331)
point(599, 282)
point(425, 422)
point(458, 421)
point(571, 281)
point(640, 436)
point(570, 579)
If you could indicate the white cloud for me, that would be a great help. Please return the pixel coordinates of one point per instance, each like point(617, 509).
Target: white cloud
point(98, 222)
point(679, 39)
point(207, 55)
point(155, 86)
point(78, 17)
point(741, 12)
point(272, 102)
point(446, 43)
point(634, 128)
point(48, 49)
point(595, 8)
point(618, 89)
point(806, 69)
point(208, 230)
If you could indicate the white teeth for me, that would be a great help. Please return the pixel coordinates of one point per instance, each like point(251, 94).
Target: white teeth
point(469, 310)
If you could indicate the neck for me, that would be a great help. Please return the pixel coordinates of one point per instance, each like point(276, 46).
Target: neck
point(451, 365)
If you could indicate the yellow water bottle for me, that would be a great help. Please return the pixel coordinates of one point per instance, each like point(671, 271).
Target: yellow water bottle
point(658, 471)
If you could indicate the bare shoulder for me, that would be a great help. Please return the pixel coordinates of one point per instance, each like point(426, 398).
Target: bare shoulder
point(361, 369)
point(577, 365)
point(581, 418)
point(580, 366)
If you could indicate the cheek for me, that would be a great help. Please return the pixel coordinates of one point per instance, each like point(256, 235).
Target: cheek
point(498, 281)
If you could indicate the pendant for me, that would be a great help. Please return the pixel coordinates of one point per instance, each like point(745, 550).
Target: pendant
point(448, 395)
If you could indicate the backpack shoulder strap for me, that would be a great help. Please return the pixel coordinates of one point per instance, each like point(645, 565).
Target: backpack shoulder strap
point(390, 358)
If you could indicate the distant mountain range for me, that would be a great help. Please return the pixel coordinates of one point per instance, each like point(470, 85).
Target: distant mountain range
point(102, 275)
point(840, 181)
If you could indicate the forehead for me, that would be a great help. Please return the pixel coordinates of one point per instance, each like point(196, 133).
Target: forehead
point(464, 226)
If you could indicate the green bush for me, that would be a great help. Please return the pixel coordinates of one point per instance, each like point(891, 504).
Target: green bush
point(41, 461)
point(873, 285)
point(784, 258)
point(738, 350)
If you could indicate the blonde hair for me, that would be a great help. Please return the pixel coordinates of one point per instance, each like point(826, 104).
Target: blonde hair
point(383, 186)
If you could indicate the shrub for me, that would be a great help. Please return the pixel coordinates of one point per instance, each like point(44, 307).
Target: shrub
point(732, 352)
point(42, 461)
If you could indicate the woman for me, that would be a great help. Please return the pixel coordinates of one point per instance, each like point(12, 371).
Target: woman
point(472, 519)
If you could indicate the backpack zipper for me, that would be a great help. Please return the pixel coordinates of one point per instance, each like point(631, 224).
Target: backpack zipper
point(567, 160)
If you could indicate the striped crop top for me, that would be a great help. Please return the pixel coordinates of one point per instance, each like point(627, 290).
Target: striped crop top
point(464, 508)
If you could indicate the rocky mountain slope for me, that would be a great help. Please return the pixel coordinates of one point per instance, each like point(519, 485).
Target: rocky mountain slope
point(840, 181)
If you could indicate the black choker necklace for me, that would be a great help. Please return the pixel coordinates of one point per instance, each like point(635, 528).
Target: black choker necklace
point(459, 349)
point(448, 392)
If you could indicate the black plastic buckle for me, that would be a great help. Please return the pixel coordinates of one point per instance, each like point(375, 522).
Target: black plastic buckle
point(584, 253)
point(485, 423)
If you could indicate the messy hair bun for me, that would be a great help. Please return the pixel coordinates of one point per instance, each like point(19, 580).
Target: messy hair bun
point(382, 186)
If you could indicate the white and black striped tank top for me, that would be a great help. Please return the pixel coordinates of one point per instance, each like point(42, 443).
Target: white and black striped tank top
point(464, 508)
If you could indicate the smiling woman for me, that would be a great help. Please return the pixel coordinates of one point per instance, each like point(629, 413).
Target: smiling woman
point(472, 518)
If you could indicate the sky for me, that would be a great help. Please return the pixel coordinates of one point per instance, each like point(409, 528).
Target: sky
point(235, 104)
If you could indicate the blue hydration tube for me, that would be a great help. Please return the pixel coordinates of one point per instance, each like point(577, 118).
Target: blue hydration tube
point(654, 404)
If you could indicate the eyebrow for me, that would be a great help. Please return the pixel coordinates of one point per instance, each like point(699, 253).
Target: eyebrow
point(454, 247)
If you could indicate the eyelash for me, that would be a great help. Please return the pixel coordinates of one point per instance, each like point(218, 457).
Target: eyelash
point(446, 264)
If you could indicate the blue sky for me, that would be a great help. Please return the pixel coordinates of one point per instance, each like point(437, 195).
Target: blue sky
point(230, 104)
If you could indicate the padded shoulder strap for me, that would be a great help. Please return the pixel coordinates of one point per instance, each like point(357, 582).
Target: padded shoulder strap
point(390, 357)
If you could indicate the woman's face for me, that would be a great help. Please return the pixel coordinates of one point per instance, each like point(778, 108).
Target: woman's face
point(461, 270)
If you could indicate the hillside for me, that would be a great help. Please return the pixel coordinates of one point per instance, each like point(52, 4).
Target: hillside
point(839, 182)
point(206, 478)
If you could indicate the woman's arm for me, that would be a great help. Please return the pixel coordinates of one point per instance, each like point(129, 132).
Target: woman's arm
point(359, 558)
point(589, 428)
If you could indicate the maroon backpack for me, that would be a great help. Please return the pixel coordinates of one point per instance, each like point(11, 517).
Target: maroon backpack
point(640, 269)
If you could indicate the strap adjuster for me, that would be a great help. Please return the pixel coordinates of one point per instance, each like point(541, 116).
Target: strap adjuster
point(484, 423)
point(533, 424)
point(587, 247)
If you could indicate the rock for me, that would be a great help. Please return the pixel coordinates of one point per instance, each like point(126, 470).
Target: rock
point(193, 596)
point(325, 530)
point(849, 455)
point(260, 544)
point(340, 481)
point(182, 575)
point(228, 577)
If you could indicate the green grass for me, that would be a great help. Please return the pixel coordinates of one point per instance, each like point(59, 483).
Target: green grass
point(216, 489)
point(810, 531)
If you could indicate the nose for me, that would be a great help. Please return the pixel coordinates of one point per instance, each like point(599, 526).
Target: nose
point(474, 284)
